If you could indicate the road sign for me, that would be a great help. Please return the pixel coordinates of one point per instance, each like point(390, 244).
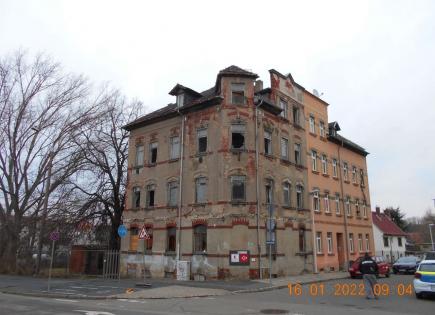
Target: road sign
point(122, 231)
point(239, 258)
point(54, 236)
point(143, 235)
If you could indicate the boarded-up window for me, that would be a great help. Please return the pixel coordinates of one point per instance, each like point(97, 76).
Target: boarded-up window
point(238, 192)
point(238, 93)
point(200, 238)
point(171, 239)
point(201, 190)
point(134, 238)
point(202, 140)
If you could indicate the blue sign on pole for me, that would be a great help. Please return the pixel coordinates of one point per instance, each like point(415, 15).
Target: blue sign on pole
point(122, 231)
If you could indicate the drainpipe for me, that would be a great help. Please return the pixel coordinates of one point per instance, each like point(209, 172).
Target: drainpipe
point(180, 185)
point(344, 209)
point(313, 231)
point(257, 188)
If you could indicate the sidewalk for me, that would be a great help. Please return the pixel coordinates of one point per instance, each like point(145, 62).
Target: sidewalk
point(159, 289)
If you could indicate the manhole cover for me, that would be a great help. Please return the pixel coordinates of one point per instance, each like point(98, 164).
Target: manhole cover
point(273, 311)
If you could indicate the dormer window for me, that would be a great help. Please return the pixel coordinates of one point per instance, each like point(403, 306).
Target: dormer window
point(180, 100)
point(238, 93)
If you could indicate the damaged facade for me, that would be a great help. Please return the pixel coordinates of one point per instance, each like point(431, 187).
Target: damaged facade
point(204, 171)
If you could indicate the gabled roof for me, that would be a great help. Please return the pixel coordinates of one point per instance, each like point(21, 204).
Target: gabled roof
point(183, 88)
point(386, 225)
point(236, 71)
point(334, 125)
point(346, 143)
point(163, 113)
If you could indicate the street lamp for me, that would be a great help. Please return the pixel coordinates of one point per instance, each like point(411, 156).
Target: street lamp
point(431, 239)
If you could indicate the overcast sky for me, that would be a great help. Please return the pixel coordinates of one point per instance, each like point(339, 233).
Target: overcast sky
point(373, 60)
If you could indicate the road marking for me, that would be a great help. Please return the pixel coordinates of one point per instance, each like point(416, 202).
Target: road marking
point(64, 300)
point(94, 312)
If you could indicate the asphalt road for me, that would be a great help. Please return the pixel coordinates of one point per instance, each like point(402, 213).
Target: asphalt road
point(336, 300)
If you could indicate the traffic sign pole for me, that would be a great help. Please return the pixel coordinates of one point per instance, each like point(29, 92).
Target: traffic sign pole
point(54, 236)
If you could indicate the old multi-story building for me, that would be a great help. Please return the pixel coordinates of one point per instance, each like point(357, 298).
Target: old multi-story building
point(338, 188)
point(206, 172)
point(218, 174)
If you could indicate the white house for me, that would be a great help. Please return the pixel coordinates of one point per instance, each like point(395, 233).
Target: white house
point(389, 238)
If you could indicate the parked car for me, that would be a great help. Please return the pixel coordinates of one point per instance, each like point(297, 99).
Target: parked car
point(429, 256)
point(406, 264)
point(383, 267)
point(424, 279)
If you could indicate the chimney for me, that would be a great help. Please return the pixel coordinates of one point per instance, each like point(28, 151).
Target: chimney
point(378, 210)
point(258, 86)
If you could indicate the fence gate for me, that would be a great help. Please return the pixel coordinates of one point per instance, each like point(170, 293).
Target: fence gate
point(111, 264)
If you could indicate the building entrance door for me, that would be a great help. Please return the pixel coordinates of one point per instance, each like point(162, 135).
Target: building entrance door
point(340, 251)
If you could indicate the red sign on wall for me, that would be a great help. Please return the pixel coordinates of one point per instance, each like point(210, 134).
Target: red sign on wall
point(239, 258)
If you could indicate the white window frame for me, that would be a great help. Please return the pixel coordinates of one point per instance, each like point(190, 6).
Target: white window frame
point(348, 207)
point(319, 247)
point(329, 242)
point(314, 160)
point(324, 164)
point(326, 203)
point(322, 129)
point(312, 124)
point(367, 243)
point(337, 204)
point(360, 243)
point(345, 172)
point(351, 243)
point(354, 176)
point(316, 201)
point(364, 210)
point(334, 167)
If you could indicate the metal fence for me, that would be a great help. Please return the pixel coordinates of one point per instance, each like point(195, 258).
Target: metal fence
point(73, 262)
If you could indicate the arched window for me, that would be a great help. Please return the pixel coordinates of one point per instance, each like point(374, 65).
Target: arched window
point(200, 238)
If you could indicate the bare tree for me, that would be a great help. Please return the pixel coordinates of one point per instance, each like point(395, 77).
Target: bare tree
point(105, 151)
point(43, 113)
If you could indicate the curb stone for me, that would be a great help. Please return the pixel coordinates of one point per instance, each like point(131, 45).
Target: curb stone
point(114, 297)
point(282, 286)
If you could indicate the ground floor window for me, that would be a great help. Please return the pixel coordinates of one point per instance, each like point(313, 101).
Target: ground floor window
point(134, 238)
point(200, 238)
point(171, 239)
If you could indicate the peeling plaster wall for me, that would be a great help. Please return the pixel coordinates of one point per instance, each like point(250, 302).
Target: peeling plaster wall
point(230, 226)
